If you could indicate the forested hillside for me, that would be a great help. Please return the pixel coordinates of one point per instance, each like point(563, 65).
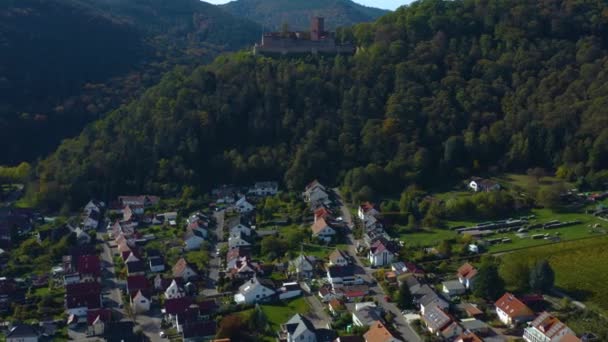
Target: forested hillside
point(63, 63)
point(273, 14)
point(437, 91)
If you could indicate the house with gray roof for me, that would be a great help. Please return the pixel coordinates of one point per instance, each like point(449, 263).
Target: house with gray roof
point(298, 329)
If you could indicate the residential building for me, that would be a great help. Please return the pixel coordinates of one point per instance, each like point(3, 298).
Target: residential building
point(157, 264)
point(466, 275)
point(432, 300)
point(183, 270)
point(322, 230)
point(453, 288)
point(436, 319)
point(289, 290)
point(193, 240)
point(547, 328)
point(96, 321)
point(264, 189)
point(381, 253)
point(468, 336)
point(315, 192)
point(174, 291)
point(366, 314)
point(237, 240)
point(81, 297)
point(378, 333)
point(89, 268)
point(255, 291)
point(483, 185)
point(243, 206)
point(367, 209)
point(298, 329)
point(140, 302)
point(22, 333)
point(511, 310)
point(137, 283)
point(343, 275)
point(303, 266)
point(339, 258)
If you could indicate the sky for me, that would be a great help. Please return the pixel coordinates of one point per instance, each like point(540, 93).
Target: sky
point(385, 4)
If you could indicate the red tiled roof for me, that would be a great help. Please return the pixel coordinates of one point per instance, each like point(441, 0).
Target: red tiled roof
point(512, 306)
point(89, 264)
point(467, 271)
point(105, 315)
point(90, 301)
point(136, 283)
point(178, 305)
point(378, 333)
point(318, 226)
point(82, 289)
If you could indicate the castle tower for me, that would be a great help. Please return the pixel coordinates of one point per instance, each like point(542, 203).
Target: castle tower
point(317, 28)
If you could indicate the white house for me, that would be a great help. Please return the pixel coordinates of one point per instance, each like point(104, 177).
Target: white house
point(298, 329)
point(343, 275)
point(243, 206)
point(303, 266)
point(511, 310)
point(547, 328)
point(254, 291)
point(367, 209)
point(339, 258)
point(322, 230)
point(483, 185)
point(264, 189)
point(192, 240)
point(466, 275)
point(174, 291)
point(380, 254)
point(140, 303)
point(22, 333)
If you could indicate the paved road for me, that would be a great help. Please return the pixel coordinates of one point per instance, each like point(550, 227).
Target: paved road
point(405, 330)
point(317, 315)
point(150, 324)
point(215, 263)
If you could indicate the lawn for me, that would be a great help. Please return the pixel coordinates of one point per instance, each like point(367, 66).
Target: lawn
point(427, 237)
point(279, 314)
point(581, 268)
point(524, 181)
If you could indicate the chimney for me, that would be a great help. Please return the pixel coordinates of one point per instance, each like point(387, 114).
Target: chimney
point(317, 28)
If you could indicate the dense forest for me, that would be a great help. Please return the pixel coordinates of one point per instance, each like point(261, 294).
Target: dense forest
point(63, 63)
point(273, 14)
point(437, 91)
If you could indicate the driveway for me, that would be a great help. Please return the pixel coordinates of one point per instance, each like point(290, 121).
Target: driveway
point(403, 328)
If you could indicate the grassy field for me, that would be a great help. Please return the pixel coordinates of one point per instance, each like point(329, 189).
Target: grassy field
point(581, 268)
point(427, 237)
point(279, 314)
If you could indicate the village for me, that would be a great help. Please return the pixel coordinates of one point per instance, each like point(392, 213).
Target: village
point(303, 267)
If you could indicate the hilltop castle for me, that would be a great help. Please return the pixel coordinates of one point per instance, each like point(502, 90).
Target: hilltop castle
point(317, 40)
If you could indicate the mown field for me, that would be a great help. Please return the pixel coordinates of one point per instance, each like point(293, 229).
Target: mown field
point(581, 268)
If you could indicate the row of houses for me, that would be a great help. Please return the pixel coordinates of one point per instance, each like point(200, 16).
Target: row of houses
point(437, 312)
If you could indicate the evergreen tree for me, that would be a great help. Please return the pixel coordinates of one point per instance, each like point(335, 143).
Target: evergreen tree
point(488, 283)
point(404, 297)
point(542, 276)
